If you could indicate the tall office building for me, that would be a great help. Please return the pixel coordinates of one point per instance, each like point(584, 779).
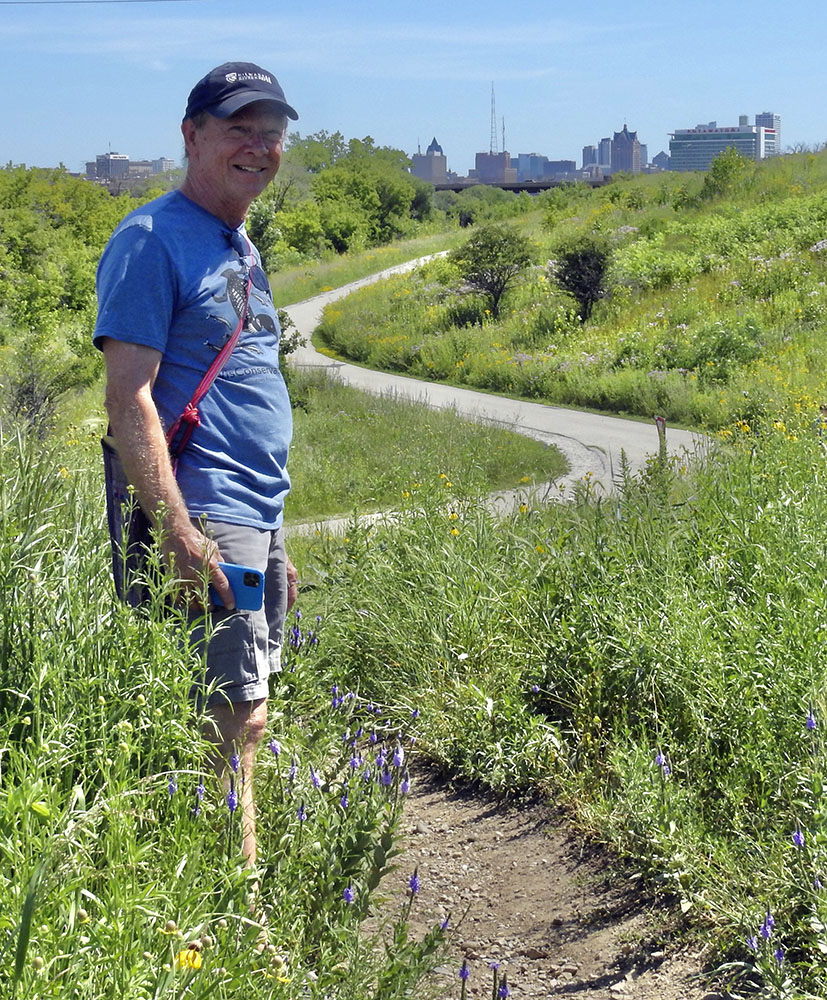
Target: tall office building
point(625, 152)
point(772, 123)
point(110, 165)
point(589, 156)
point(604, 153)
point(433, 166)
point(696, 148)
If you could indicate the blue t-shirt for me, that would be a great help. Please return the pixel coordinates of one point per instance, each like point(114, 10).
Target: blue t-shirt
point(170, 279)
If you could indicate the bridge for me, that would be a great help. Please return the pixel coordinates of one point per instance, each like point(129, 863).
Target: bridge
point(532, 187)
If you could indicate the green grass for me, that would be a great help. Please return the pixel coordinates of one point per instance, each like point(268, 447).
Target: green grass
point(353, 453)
point(307, 280)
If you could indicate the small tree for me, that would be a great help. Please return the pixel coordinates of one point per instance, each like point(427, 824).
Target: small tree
point(581, 269)
point(491, 260)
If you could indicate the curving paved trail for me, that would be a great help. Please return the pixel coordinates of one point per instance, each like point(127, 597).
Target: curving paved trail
point(591, 443)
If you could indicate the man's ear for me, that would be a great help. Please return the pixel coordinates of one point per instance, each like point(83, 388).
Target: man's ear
point(188, 132)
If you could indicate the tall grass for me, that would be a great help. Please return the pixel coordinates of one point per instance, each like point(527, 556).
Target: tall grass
point(656, 658)
point(121, 871)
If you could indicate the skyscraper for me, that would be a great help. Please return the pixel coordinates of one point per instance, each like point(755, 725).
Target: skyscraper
point(626, 152)
point(772, 123)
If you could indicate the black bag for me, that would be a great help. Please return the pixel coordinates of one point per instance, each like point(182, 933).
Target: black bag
point(130, 530)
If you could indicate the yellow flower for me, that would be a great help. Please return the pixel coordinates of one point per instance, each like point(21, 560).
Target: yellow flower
point(64, 472)
point(524, 479)
point(524, 508)
point(454, 531)
point(189, 958)
point(540, 549)
point(453, 516)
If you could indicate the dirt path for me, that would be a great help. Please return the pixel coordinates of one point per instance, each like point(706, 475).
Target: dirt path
point(560, 916)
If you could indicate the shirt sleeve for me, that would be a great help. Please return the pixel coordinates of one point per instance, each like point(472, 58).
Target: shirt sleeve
point(137, 287)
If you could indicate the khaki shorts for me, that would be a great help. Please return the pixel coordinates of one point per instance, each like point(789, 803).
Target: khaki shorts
point(245, 646)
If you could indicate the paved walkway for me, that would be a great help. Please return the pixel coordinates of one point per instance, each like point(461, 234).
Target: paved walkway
point(591, 443)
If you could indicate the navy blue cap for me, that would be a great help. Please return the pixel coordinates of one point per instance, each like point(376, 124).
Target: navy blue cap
point(232, 86)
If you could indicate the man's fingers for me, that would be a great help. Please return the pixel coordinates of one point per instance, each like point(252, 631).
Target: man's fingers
point(222, 587)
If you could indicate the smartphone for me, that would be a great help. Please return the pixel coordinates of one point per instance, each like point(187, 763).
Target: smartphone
point(247, 586)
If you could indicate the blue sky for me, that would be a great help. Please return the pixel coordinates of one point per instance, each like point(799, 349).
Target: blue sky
point(80, 78)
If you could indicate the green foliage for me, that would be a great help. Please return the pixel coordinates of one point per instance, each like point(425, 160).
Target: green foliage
point(727, 172)
point(580, 269)
point(491, 260)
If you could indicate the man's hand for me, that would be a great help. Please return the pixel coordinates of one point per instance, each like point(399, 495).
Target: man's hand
point(188, 554)
point(292, 584)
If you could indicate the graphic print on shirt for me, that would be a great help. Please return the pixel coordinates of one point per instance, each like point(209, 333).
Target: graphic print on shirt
point(254, 322)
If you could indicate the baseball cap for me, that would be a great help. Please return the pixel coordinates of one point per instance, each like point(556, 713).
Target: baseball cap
point(232, 86)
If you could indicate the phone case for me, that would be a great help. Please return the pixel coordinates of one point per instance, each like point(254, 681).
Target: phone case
point(247, 584)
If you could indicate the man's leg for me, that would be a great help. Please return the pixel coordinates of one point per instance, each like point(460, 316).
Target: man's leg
point(238, 729)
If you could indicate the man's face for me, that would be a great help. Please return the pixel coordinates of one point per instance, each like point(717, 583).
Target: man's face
point(232, 160)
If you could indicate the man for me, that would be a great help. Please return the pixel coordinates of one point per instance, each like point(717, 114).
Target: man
point(176, 280)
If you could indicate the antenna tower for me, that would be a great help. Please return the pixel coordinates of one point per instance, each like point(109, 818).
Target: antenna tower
point(493, 144)
point(503, 133)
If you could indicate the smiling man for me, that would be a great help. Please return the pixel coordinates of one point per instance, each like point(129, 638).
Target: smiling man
point(178, 279)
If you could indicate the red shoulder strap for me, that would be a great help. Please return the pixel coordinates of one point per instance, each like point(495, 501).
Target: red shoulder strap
point(181, 431)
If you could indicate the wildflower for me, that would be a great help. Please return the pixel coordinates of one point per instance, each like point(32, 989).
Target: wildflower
point(535, 688)
point(385, 777)
point(343, 801)
point(778, 955)
point(189, 958)
point(405, 787)
point(301, 812)
point(494, 965)
point(413, 882)
point(315, 780)
point(398, 757)
point(293, 770)
point(82, 915)
point(349, 895)
point(444, 925)
point(798, 838)
point(464, 971)
point(817, 884)
point(766, 927)
point(275, 749)
point(811, 721)
point(199, 791)
point(232, 800)
point(752, 942)
point(170, 928)
point(503, 991)
point(235, 761)
point(415, 713)
point(172, 787)
point(355, 762)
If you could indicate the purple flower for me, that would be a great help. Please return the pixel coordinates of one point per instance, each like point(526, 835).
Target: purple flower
point(172, 786)
point(385, 777)
point(343, 801)
point(752, 942)
point(405, 787)
point(235, 760)
point(444, 925)
point(232, 800)
point(199, 791)
point(301, 812)
point(811, 721)
point(293, 770)
point(415, 713)
point(349, 895)
point(315, 779)
point(766, 927)
point(535, 688)
point(275, 749)
point(413, 882)
point(398, 757)
point(817, 884)
point(464, 971)
point(298, 615)
point(778, 955)
point(503, 991)
point(798, 838)
point(355, 762)
point(373, 737)
point(494, 965)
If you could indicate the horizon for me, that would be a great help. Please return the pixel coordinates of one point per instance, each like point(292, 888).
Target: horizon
point(122, 70)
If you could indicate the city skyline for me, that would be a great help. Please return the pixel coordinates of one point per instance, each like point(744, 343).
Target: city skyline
point(82, 79)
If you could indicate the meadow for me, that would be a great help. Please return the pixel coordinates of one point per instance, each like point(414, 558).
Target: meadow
point(654, 660)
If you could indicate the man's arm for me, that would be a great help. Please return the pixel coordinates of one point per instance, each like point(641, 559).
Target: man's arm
point(139, 437)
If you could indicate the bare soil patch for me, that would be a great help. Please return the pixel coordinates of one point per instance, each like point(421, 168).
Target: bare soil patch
point(561, 916)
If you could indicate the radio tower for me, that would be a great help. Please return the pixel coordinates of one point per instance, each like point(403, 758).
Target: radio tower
point(493, 144)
